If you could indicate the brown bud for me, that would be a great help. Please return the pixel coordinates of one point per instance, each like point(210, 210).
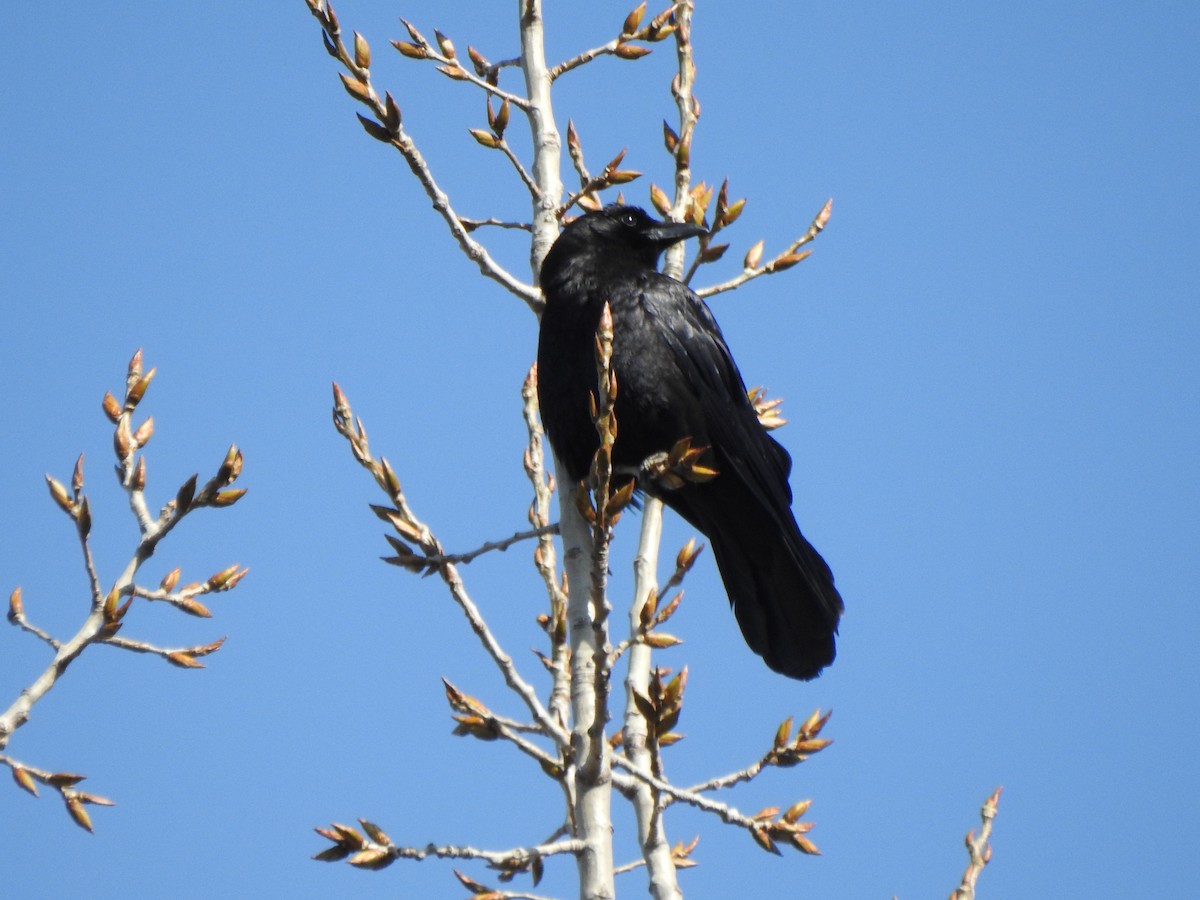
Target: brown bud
point(135, 364)
point(500, 120)
point(221, 579)
point(231, 465)
point(77, 476)
point(135, 393)
point(661, 25)
point(227, 498)
point(110, 604)
point(412, 51)
point(391, 112)
point(85, 518)
point(374, 858)
point(796, 810)
point(478, 60)
point(112, 408)
point(183, 660)
point(787, 260)
point(122, 439)
point(804, 845)
point(205, 649)
point(669, 610)
point(119, 614)
point(183, 499)
point(79, 814)
point(362, 51)
point(194, 607)
point(661, 641)
point(763, 840)
point(60, 495)
point(658, 197)
point(670, 138)
point(16, 606)
point(811, 746)
point(782, 733)
point(65, 779)
point(753, 256)
point(446, 45)
point(631, 51)
point(377, 834)
point(355, 88)
point(413, 33)
point(622, 176)
point(730, 214)
point(374, 129)
point(25, 780)
point(170, 580)
point(233, 582)
point(143, 433)
point(485, 138)
point(822, 218)
point(634, 19)
point(390, 476)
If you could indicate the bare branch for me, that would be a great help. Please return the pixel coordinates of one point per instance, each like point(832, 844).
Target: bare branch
point(752, 268)
point(411, 528)
point(621, 45)
point(105, 616)
point(978, 848)
point(375, 850)
point(474, 224)
point(389, 129)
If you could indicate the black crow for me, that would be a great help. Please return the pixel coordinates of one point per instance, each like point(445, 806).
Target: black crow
point(676, 379)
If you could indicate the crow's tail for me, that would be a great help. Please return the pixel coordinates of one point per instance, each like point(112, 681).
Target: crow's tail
point(780, 588)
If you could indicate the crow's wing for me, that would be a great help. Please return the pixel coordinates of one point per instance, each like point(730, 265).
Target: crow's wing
point(688, 328)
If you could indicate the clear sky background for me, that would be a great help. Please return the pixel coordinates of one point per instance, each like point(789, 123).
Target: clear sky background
point(989, 365)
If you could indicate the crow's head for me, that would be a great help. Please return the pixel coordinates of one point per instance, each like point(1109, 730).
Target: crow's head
point(621, 235)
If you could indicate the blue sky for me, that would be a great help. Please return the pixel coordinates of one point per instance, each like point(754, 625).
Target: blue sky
point(989, 365)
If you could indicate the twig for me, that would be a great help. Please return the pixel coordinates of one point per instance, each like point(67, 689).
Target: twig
point(620, 46)
point(978, 848)
point(407, 524)
point(489, 546)
point(388, 129)
point(544, 555)
point(475, 224)
point(376, 850)
point(106, 615)
point(443, 52)
point(789, 257)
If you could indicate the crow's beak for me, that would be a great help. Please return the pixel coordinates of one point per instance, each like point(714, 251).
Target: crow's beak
point(664, 234)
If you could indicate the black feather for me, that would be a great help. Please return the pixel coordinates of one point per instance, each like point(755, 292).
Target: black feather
point(676, 378)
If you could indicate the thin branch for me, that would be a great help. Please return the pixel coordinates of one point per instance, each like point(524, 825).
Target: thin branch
point(785, 260)
point(489, 546)
point(452, 67)
point(414, 530)
point(16, 615)
point(723, 811)
point(518, 166)
point(388, 129)
point(978, 848)
point(475, 224)
point(377, 850)
point(620, 46)
point(544, 555)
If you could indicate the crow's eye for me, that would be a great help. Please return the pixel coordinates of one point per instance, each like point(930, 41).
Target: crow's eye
point(629, 219)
